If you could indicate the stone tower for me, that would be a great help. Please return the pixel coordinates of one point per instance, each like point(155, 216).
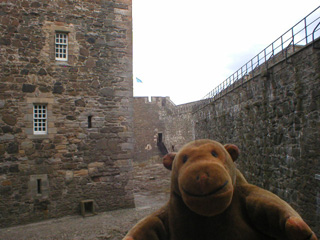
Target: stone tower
point(66, 108)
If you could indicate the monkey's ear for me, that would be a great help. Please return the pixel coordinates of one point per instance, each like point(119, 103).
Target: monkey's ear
point(233, 150)
point(168, 160)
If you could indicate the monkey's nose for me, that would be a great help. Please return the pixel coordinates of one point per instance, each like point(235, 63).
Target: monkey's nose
point(202, 177)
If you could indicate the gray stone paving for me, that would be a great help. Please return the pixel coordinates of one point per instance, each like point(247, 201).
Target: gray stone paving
point(109, 225)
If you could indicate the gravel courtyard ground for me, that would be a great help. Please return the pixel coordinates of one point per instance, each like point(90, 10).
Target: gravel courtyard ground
point(151, 191)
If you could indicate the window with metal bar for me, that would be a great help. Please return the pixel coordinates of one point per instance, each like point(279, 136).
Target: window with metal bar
point(39, 119)
point(61, 48)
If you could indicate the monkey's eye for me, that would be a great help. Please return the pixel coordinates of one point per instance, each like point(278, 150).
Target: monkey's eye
point(184, 158)
point(213, 153)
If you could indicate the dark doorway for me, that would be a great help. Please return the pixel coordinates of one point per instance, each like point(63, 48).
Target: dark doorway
point(159, 137)
point(161, 145)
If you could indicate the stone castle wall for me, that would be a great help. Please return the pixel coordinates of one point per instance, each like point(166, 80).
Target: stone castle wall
point(179, 126)
point(274, 118)
point(87, 150)
point(160, 120)
point(148, 126)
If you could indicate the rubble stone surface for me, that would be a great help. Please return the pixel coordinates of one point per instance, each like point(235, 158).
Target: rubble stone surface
point(151, 181)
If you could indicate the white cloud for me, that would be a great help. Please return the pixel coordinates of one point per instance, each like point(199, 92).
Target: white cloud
point(183, 48)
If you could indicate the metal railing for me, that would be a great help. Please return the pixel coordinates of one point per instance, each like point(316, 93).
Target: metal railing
point(301, 34)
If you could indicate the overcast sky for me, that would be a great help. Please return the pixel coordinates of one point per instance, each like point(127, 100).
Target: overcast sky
point(183, 48)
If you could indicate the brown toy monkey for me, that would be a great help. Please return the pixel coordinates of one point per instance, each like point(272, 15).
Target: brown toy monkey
point(211, 200)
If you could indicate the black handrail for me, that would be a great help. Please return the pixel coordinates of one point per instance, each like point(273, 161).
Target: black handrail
point(314, 30)
point(243, 72)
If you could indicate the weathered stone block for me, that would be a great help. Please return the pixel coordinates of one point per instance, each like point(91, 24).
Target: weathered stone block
point(96, 165)
point(81, 173)
point(9, 119)
point(7, 129)
point(12, 147)
point(45, 89)
point(2, 103)
point(102, 144)
point(14, 168)
point(126, 146)
point(90, 63)
point(2, 149)
point(80, 103)
point(42, 72)
point(96, 135)
point(24, 72)
point(72, 118)
point(107, 92)
point(91, 40)
point(5, 189)
point(28, 88)
point(6, 183)
point(84, 52)
point(35, 4)
point(34, 60)
point(60, 147)
point(26, 145)
point(58, 88)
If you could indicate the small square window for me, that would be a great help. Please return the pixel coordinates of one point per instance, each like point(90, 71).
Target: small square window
point(39, 119)
point(61, 46)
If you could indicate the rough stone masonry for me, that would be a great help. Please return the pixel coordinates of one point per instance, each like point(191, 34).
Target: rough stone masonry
point(274, 118)
point(66, 108)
